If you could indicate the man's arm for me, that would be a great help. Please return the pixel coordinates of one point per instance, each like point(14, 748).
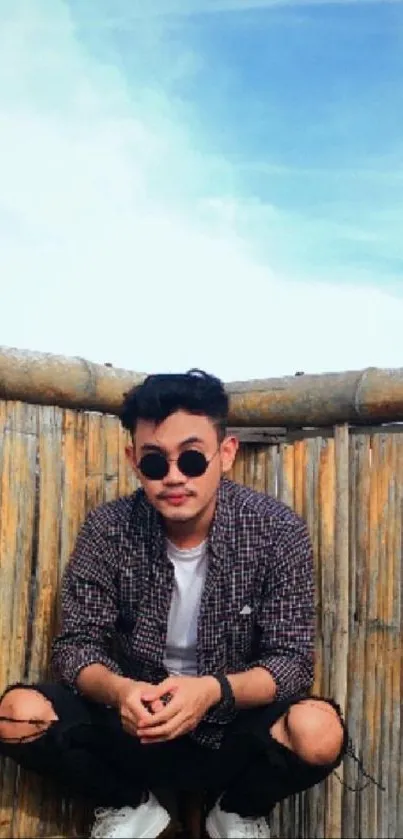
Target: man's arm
point(98, 683)
point(284, 666)
point(253, 688)
point(286, 622)
point(89, 611)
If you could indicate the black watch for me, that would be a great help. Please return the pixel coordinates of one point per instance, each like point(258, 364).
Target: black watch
point(227, 700)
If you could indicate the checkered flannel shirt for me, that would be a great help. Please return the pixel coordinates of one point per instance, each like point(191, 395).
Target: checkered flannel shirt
point(257, 605)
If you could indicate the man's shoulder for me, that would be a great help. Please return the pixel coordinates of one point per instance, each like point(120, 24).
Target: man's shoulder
point(260, 507)
point(118, 512)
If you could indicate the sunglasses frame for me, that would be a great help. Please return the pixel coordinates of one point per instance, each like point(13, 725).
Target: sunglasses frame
point(176, 460)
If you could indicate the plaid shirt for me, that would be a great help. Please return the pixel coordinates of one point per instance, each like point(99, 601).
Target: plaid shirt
point(257, 605)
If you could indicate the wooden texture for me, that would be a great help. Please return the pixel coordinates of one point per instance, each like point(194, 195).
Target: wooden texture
point(56, 464)
point(305, 401)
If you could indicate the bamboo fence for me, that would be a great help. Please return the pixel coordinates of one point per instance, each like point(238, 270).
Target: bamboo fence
point(56, 463)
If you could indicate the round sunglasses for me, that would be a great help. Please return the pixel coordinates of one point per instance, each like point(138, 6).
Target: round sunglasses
point(191, 463)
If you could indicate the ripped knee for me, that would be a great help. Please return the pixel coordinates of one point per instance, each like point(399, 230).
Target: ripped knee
point(25, 715)
point(313, 729)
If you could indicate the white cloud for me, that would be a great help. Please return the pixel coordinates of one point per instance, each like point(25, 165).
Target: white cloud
point(115, 246)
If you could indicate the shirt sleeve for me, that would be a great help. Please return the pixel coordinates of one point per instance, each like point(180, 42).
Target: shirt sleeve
point(287, 614)
point(88, 606)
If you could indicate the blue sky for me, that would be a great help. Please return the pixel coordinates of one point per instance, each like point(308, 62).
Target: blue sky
point(203, 182)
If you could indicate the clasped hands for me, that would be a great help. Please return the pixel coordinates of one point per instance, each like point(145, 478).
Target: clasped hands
point(157, 713)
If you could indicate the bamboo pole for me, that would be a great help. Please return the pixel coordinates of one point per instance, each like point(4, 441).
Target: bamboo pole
point(359, 397)
point(46, 379)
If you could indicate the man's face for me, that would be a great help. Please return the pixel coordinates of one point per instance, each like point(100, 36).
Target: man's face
point(176, 496)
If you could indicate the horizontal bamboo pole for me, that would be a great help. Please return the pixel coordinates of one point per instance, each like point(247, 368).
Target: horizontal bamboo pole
point(46, 379)
point(357, 397)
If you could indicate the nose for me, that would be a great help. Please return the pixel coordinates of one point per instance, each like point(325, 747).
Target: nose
point(174, 475)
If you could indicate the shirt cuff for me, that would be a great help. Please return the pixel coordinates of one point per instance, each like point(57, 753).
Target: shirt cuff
point(67, 667)
point(292, 676)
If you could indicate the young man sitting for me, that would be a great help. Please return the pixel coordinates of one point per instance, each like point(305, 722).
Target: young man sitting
point(186, 649)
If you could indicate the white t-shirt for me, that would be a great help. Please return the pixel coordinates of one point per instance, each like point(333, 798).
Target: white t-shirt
point(190, 565)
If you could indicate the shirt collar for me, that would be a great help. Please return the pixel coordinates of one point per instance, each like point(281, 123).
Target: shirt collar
point(148, 523)
point(220, 531)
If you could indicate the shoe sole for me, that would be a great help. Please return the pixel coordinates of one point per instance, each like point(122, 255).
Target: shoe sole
point(159, 830)
point(211, 832)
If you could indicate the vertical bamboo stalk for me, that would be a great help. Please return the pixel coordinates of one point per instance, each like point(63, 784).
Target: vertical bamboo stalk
point(17, 546)
point(358, 503)
point(73, 482)
point(111, 458)
point(313, 816)
point(34, 807)
point(249, 471)
point(369, 808)
point(300, 454)
point(48, 547)
point(396, 801)
point(94, 440)
point(382, 695)
point(238, 470)
point(327, 504)
point(7, 769)
point(339, 645)
point(272, 467)
point(300, 502)
point(73, 511)
point(327, 524)
point(286, 814)
point(127, 481)
point(286, 474)
point(389, 758)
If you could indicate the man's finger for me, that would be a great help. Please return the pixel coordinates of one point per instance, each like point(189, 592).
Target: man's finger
point(162, 716)
point(163, 732)
point(158, 691)
point(129, 724)
point(135, 711)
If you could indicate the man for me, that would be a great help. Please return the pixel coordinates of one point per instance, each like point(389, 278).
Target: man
point(185, 654)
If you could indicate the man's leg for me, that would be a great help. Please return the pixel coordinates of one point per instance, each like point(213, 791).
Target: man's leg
point(50, 730)
point(287, 747)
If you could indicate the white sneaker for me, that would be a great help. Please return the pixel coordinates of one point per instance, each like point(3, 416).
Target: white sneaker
point(147, 821)
point(222, 825)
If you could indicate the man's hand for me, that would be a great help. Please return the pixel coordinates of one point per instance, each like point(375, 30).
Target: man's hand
point(134, 709)
point(190, 698)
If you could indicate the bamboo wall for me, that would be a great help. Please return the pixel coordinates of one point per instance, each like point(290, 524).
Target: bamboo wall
point(56, 464)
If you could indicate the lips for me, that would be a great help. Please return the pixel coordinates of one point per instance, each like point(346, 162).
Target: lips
point(175, 499)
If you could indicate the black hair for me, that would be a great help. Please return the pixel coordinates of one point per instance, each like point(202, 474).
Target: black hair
point(160, 395)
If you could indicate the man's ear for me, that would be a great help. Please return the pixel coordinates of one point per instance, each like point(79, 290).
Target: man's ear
point(228, 452)
point(130, 453)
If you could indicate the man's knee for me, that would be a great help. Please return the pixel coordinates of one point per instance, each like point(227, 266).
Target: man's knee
point(314, 731)
point(25, 714)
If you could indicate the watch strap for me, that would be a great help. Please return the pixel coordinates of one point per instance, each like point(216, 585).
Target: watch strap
point(227, 694)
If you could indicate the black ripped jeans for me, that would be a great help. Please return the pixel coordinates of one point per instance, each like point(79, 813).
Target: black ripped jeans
point(87, 751)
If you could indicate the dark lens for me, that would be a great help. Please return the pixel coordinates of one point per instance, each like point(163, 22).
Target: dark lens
point(192, 463)
point(154, 466)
